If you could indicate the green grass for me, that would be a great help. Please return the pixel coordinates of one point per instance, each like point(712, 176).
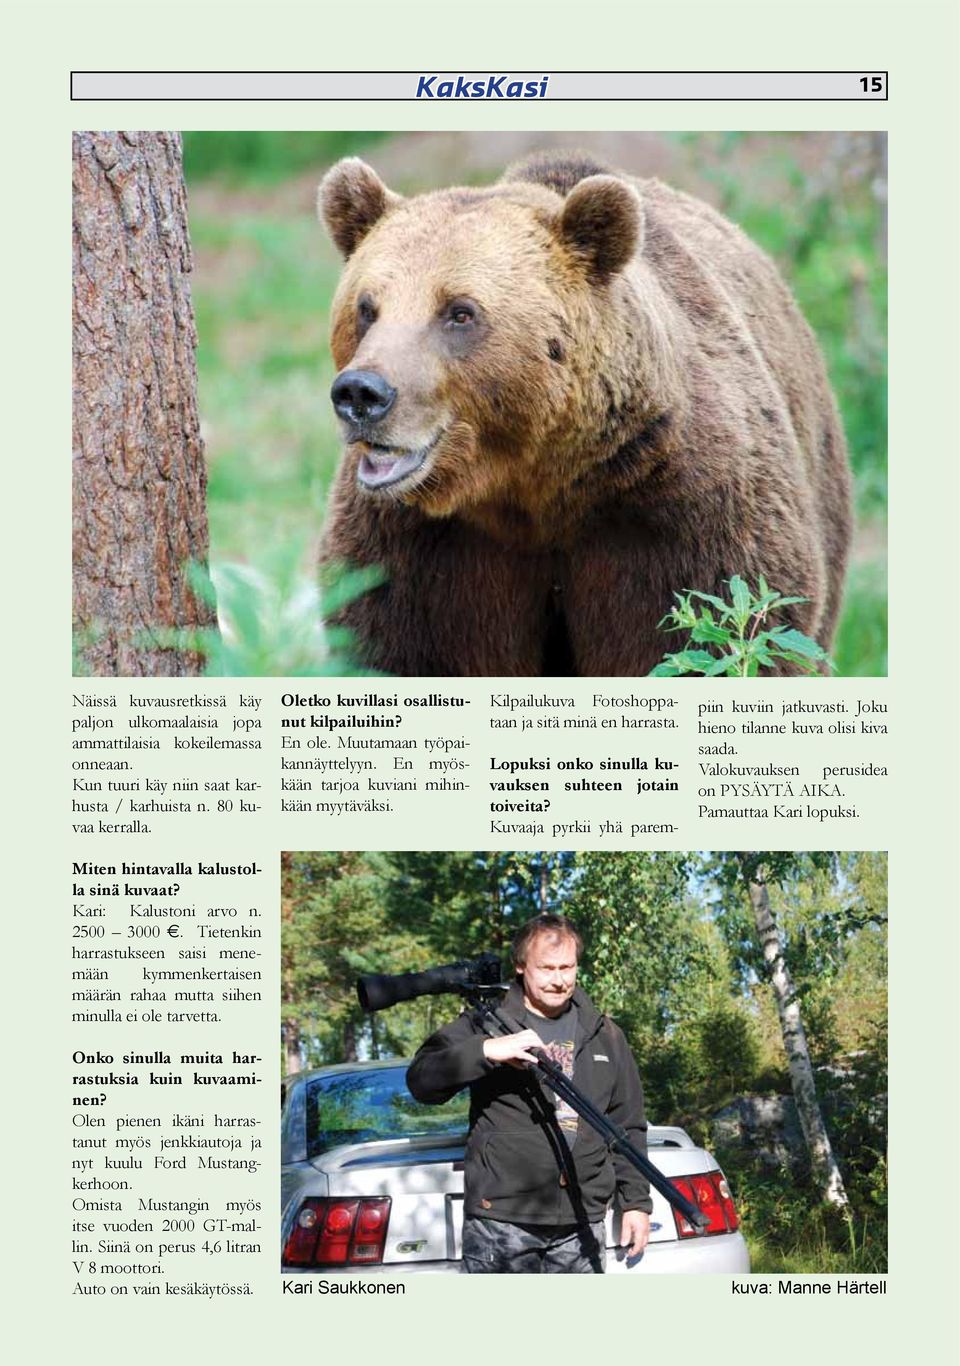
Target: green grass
point(860, 649)
point(790, 1231)
point(264, 378)
point(811, 1252)
point(265, 158)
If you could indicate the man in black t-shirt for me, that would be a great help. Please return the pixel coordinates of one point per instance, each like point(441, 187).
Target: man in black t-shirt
point(560, 1035)
point(537, 1180)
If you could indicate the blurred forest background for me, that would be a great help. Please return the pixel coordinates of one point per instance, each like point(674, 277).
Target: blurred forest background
point(673, 954)
point(265, 273)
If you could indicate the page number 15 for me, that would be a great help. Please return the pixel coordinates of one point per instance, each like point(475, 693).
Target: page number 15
point(871, 85)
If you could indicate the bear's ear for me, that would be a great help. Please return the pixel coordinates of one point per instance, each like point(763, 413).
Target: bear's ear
point(351, 199)
point(602, 220)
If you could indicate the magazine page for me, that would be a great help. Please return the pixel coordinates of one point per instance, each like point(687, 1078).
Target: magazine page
point(508, 699)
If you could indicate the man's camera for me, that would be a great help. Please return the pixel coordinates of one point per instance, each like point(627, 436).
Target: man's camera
point(377, 991)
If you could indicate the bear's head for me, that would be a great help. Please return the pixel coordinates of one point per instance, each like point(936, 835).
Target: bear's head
point(484, 338)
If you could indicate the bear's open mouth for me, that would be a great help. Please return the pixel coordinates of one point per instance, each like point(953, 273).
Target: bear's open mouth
point(384, 467)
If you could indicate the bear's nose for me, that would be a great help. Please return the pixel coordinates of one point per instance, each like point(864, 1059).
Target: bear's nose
point(361, 396)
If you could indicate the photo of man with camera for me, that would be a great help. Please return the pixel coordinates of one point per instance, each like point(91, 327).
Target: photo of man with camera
point(537, 1178)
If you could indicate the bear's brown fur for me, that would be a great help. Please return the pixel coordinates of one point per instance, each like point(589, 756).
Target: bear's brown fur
point(603, 393)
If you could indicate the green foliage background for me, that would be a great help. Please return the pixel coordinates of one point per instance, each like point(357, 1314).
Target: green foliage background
point(671, 953)
point(265, 274)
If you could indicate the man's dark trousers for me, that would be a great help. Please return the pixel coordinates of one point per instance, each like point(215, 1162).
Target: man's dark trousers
point(491, 1245)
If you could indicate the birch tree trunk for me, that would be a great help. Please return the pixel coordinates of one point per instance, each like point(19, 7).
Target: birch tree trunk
point(822, 1161)
point(139, 480)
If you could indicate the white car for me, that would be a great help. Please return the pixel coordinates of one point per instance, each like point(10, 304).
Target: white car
point(372, 1181)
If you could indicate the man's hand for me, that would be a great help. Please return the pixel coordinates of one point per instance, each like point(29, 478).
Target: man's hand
point(634, 1231)
point(513, 1048)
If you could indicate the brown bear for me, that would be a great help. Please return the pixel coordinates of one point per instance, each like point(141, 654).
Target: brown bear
point(566, 397)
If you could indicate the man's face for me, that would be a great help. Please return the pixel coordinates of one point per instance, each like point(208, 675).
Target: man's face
point(549, 974)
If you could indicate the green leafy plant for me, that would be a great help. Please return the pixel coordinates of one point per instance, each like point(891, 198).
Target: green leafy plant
point(742, 643)
point(273, 620)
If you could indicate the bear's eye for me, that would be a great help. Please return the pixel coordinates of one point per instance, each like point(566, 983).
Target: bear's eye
point(461, 314)
point(366, 313)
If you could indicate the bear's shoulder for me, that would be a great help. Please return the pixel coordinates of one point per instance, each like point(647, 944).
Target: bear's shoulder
point(558, 171)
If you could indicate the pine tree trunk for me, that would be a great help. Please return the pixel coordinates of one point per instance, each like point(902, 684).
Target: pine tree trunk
point(139, 478)
point(375, 1039)
point(496, 904)
point(290, 1028)
point(292, 1054)
point(822, 1161)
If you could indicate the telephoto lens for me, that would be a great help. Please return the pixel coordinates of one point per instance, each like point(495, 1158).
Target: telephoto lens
point(377, 991)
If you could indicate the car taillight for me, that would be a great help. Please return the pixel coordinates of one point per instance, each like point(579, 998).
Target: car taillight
point(711, 1195)
point(726, 1200)
point(338, 1233)
point(370, 1232)
point(333, 1244)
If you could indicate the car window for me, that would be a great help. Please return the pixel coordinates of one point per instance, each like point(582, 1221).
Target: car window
point(351, 1107)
